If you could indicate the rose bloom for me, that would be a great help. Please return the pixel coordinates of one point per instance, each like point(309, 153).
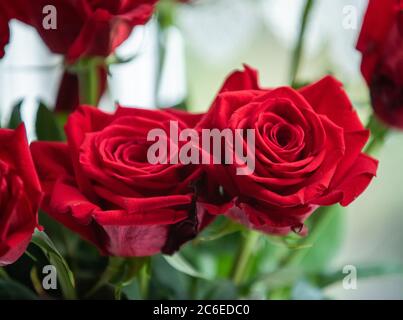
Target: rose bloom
point(20, 195)
point(102, 186)
point(381, 45)
point(84, 28)
point(308, 146)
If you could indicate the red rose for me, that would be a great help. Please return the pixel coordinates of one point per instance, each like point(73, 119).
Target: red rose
point(20, 195)
point(84, 27)
point(308, 146)
point(381, 45)
point(102, 186)
point(68, 96)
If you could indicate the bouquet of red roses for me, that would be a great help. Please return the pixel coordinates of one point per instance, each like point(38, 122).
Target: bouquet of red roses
point(137, 203)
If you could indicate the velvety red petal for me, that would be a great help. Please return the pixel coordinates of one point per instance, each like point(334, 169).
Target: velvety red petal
point(327, 97)
point(242, 80)
point(354, 183)
point(14, 150)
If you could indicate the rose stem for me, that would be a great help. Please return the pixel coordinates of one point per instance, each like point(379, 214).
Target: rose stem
point(297, 54)
point(89, 82)
point(379, 132)
point(243, 257)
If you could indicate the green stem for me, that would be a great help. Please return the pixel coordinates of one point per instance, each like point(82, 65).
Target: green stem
point(324, 217)
point(245, 252)
point(120, 272)
point(165, 20)
point(379, 132)
point(114, 266)
point(89, 82)
point(296, 58)
point(3, 274)
point(144, 281)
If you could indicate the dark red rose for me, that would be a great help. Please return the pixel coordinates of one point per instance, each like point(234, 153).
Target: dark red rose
point(102, 186)
point(381, 45)
point(308, 146)
point(84, 27)
point(68, 97)
point(20, 195)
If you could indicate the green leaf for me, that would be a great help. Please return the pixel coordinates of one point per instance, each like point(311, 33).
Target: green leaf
point(15, 118)
point(326, 239)
point(12, 290)
point(379, 132)
point(220, 290)
point(3, 273)
point(65, 276)
point(132, 291)
point(179, 263)
point(65, 240)
point(47, 125)
point(116, 60)
point(299, 48)
point(219, 229)
point(120, 272)
point(167, 282)
point(316, 250)
point(282, 277)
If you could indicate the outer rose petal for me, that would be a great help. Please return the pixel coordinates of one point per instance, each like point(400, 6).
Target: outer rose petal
point(14, 150)
point(242, 80)
point(20, 195)
point(327, 97)
point(16, 252)
point(275, 221)
point(224, 105)
point(191, 119)
point(81, 122)
point(355, 181)
point(101, 34)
